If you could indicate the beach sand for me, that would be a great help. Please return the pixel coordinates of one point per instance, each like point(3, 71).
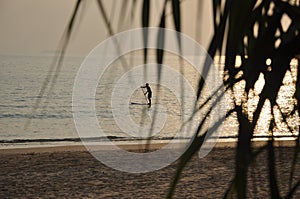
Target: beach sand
point(72, 172)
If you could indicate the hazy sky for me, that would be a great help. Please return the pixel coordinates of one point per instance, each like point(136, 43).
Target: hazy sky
point(34, 27)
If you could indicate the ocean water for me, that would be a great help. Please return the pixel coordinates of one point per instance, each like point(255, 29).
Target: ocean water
point(22, 77)
point(21, 80)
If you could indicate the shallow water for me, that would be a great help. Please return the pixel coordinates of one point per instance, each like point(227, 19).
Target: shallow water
point(22, 77)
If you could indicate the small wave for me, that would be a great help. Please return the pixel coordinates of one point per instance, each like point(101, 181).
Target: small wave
point(44, 140)
point(123, 138)
point(89, 139)
point(40, 116)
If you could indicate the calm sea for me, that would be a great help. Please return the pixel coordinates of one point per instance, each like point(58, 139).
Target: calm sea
point(22, 77)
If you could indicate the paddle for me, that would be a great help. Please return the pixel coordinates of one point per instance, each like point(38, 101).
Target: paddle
point(144, 95)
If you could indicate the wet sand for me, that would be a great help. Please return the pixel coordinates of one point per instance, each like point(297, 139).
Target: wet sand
point(72, 172)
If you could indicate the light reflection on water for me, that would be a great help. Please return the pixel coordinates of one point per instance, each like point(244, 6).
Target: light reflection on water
point(21, 79)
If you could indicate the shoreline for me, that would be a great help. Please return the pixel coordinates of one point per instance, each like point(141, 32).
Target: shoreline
point(129, 146)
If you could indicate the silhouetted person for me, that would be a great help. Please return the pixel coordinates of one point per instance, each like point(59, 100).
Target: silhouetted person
point(149, 92)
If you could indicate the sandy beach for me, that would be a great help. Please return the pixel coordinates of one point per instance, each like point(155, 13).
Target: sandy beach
point(72, 172)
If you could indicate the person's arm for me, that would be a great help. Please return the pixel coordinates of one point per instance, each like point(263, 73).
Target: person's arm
point(143, 91)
